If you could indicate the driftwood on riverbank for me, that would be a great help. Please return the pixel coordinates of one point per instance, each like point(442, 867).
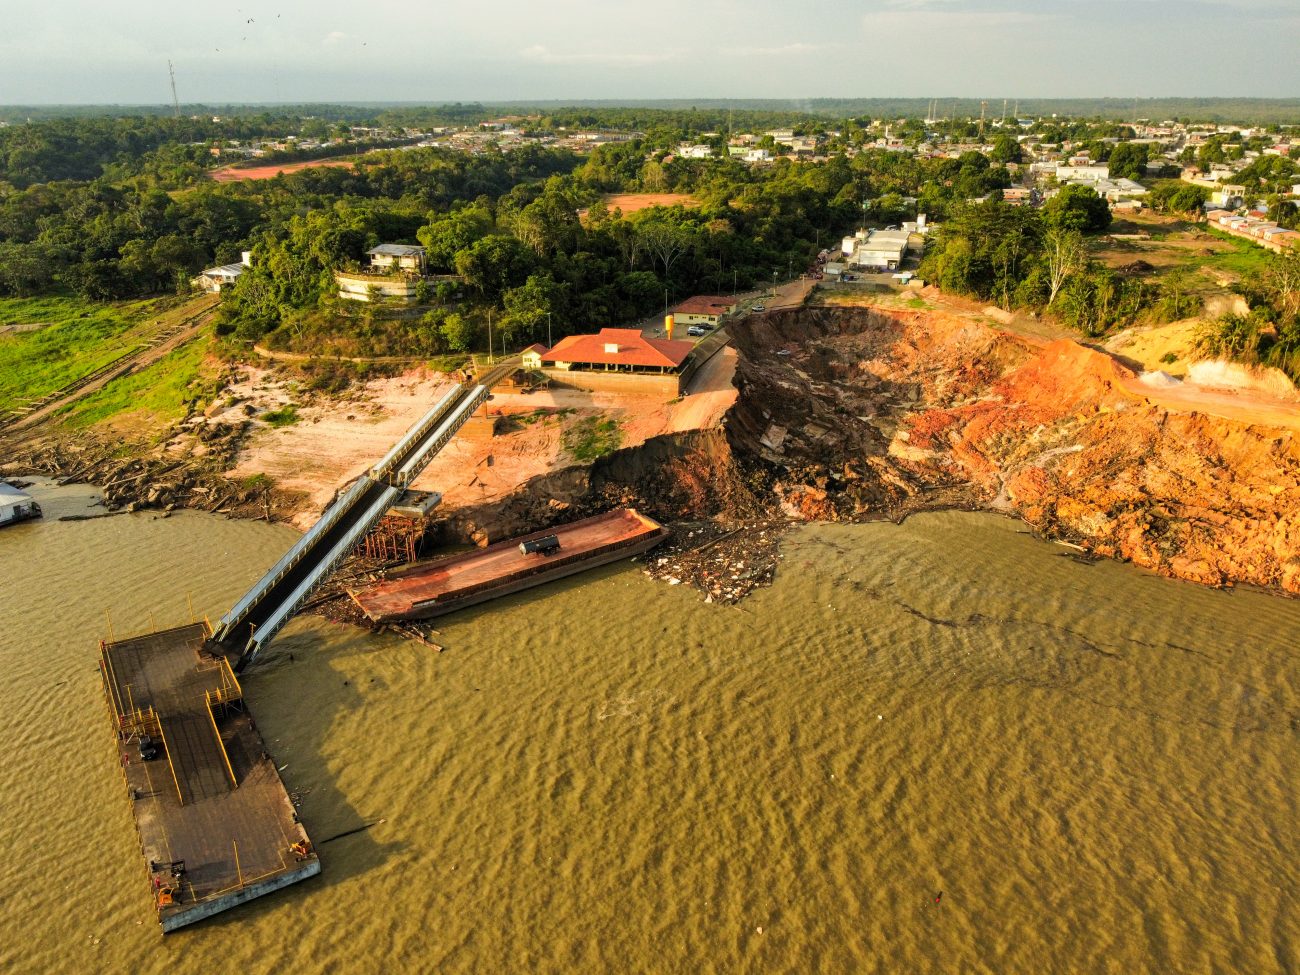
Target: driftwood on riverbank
point(134, 477)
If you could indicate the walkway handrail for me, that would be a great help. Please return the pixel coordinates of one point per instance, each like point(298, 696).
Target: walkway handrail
point(220, 744)
point(336, 555)
point(348, 522)
point(410, 470)
point(415, 433)
point(291, 558)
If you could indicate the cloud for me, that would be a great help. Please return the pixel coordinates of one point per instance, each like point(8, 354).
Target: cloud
point(543, 54)
point(782, 50)
point(334, 37)
point(941, 17)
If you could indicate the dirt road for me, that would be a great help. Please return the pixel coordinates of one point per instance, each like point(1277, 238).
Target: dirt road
point(236, 174)
point(187, 322)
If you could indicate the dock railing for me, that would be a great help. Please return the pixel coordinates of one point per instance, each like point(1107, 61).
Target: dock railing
point(110, 678)
point(141, 721)
point(180, 796)
point(209, 698)
point(230, 690)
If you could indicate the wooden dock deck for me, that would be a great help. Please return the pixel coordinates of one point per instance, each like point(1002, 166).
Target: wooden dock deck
point(211, 799)
point(441, 586)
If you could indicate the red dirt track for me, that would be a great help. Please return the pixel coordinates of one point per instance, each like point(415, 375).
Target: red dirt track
point(235, 174)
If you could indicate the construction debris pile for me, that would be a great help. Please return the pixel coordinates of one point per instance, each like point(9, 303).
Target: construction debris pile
point(724, 562)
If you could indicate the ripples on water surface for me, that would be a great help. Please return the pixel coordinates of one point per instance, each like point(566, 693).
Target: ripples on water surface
point(1094, 766)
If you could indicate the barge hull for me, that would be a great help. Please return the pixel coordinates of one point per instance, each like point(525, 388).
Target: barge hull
point(459, 581)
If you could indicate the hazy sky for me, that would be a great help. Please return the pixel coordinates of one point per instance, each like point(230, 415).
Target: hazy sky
point(433, 51)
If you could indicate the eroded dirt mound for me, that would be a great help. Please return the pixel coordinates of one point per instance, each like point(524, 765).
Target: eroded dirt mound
point(867, 412)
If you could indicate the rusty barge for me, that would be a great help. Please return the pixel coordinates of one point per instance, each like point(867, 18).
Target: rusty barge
point(216, 825)
point(433, 588)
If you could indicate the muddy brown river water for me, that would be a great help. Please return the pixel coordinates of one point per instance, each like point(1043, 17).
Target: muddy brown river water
point(1095, 768)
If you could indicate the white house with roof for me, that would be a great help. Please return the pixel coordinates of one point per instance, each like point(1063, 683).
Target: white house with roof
point(223, 276)
point(397, 257)
point(876, 250)
point(16, 506)
point(1085, 174)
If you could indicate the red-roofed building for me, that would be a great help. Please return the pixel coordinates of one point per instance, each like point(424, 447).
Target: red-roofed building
point(703, 310)
point(618, 350)
point(623, 355)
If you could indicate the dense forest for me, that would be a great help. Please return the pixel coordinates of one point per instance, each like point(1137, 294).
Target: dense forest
point(506, 222)
point(1040, 260)
point(111, 207)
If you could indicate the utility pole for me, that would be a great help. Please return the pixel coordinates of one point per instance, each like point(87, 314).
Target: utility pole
point(549, 343)
point(489, 336)
point(176, 105)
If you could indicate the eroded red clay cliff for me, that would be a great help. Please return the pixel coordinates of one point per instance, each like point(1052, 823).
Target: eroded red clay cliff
point(862, 412)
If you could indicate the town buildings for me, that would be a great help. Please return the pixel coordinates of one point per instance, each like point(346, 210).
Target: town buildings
point(1259, 231)
point(876, 250)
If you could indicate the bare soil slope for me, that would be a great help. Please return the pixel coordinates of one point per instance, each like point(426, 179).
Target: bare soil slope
point(873, 411)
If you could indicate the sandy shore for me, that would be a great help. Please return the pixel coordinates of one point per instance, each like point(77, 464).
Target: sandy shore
point(332, 443)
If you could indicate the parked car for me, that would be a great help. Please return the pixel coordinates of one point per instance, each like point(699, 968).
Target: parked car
point(697, 330)
point(760, 308)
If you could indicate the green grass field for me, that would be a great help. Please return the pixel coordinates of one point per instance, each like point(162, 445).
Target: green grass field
point(160, 391)
point(80, 338)
point(1246, 260)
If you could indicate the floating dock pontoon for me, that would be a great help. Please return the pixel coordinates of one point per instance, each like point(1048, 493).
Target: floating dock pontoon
point(442, 586)
point(217, 827)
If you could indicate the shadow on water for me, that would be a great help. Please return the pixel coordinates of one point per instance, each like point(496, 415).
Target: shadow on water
point(298, 696)
point(306, 705)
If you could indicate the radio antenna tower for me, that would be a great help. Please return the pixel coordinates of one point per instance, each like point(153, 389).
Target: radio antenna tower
point(983, 108)
point(176, 105)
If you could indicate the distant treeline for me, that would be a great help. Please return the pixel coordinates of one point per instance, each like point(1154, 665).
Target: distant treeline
point(1268, 111)
point(1239, 110)
point(355, 113)
point(88, 148)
